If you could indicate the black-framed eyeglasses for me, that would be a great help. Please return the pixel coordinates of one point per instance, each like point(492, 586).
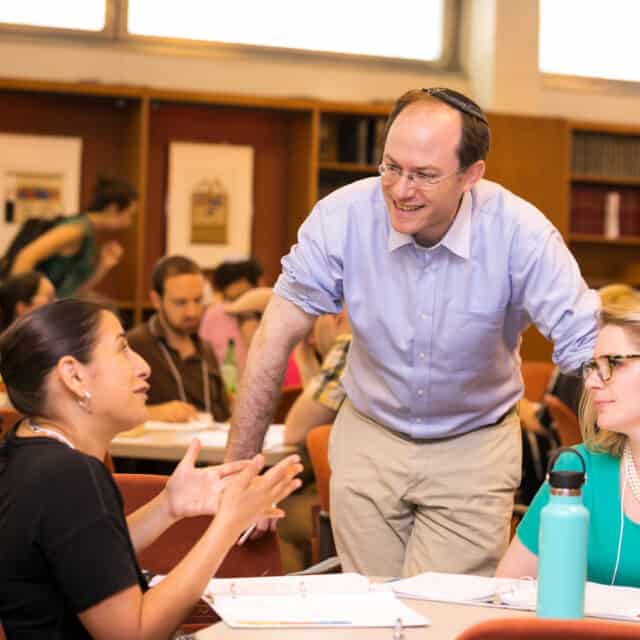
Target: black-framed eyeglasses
point(605, 365)
point(458, 101)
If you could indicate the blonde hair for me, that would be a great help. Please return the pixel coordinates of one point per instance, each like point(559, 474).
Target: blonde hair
point(621, 309)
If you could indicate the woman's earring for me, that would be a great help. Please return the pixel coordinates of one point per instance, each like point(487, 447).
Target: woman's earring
point(85, 402)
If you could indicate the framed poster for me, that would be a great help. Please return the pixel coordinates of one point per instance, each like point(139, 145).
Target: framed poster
point(210, 201)
point(39, 177)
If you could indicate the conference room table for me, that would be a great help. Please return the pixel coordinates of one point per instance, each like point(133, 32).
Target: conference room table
point(168, 442)
point(447, 622)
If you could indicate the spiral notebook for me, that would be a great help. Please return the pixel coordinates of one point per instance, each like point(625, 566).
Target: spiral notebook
point(337, 600)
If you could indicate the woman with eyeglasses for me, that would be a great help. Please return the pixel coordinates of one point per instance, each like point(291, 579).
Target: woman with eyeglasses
point(610, 421)
point(68, 564)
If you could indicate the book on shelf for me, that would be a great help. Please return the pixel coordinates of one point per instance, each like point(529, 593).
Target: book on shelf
point(335, 600)
point(587, 209)
point(605, 154)
point(590, 203)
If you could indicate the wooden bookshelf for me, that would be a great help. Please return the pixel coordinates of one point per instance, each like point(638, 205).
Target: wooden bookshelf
point(126, 131)
point(604, 160)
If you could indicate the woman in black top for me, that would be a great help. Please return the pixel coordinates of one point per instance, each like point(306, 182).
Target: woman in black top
point(67, 560)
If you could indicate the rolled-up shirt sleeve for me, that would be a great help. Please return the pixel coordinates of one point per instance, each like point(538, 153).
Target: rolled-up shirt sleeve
point(556, 298)
point(312, 272)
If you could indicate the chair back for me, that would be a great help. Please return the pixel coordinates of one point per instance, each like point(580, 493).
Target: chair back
point(318, 446)
point(8, 418)
point(565, 421)
point(538, 629)
point(288, 396)
point(254, 558)
point(536, 376)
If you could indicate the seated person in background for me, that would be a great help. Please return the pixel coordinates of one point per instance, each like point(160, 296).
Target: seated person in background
point(323, 392)
point(68, 567)
point(67, 252)
point(185, 376)
point(232, 278)
point(20, 294)
point(238, 321)
point(611, 430)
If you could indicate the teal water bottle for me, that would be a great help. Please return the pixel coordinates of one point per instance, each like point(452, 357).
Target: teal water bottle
point(562, 554)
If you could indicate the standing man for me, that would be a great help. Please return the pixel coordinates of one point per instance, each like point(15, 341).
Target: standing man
point(185, 376)
point(441, 272)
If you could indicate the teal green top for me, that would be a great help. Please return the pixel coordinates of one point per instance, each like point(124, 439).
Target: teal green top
point(67, 273)
point(601, 496)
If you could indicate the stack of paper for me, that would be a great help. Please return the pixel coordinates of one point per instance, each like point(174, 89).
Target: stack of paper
point(340, 600)
point(601, 601)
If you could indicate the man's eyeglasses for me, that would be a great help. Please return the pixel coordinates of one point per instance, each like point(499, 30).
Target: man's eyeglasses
point(604, 366)
point(390, 173)
point(458, 101)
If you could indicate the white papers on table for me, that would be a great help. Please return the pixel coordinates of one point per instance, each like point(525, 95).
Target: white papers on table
point(201, 421)
point(339, 600)
point(450, 587)
point(212, 434)
point(218, 437)
point(601, 601)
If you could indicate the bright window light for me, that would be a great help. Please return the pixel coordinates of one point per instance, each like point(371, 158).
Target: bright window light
point(88, 15)
point(342, 26)
point(590, 38)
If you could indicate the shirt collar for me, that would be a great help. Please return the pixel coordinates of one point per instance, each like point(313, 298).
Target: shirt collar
point(457, 239)
point(157, 331)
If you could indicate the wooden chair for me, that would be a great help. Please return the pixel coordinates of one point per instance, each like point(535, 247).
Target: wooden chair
point(322, 545)
point(536, 376)
point(537, 629)
point(8, 418)
point(259, 557)
point(565, 421)
point(287, 398)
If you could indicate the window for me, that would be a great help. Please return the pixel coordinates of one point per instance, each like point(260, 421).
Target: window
point(422, 31)
point(339, 26)
point(85, 15)
point(590, 38)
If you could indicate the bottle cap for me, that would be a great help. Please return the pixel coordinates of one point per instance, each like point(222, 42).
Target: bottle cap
point(566, 479)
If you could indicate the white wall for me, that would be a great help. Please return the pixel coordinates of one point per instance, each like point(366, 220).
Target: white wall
point(499, 56)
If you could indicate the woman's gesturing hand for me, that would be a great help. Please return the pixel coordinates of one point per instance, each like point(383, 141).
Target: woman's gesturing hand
point(249, 496)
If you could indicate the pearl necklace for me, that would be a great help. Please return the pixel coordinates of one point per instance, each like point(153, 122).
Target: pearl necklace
point(630, 471)
point(36, 428)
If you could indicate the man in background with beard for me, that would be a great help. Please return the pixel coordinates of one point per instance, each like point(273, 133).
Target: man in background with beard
point(185, 376)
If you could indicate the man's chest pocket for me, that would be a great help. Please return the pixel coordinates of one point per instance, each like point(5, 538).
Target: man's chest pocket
point(469, 338)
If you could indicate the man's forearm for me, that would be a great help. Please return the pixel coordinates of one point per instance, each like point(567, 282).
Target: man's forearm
point(259, 392)
point(282, 326)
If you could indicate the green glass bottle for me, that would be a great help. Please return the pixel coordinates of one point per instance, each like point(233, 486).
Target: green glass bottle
point(229, 368)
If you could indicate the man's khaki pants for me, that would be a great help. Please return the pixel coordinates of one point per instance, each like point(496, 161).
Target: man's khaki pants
point(401, 506)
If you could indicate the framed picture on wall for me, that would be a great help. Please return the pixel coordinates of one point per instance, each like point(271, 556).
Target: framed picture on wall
point(210, 201)
point(39, 178)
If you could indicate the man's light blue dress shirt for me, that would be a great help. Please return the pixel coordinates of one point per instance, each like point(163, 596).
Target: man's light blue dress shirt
point(436, 332)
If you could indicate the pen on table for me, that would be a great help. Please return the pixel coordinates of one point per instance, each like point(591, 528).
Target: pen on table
point(397, 630)
point(243, 538)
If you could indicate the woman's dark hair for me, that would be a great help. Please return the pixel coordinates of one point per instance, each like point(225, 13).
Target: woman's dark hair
point(228, 272)
point(112, 191)
point(16, 289)
point(32, 346)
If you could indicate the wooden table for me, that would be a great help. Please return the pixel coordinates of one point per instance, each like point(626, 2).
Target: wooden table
point(447, 622)
point(171, 446)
